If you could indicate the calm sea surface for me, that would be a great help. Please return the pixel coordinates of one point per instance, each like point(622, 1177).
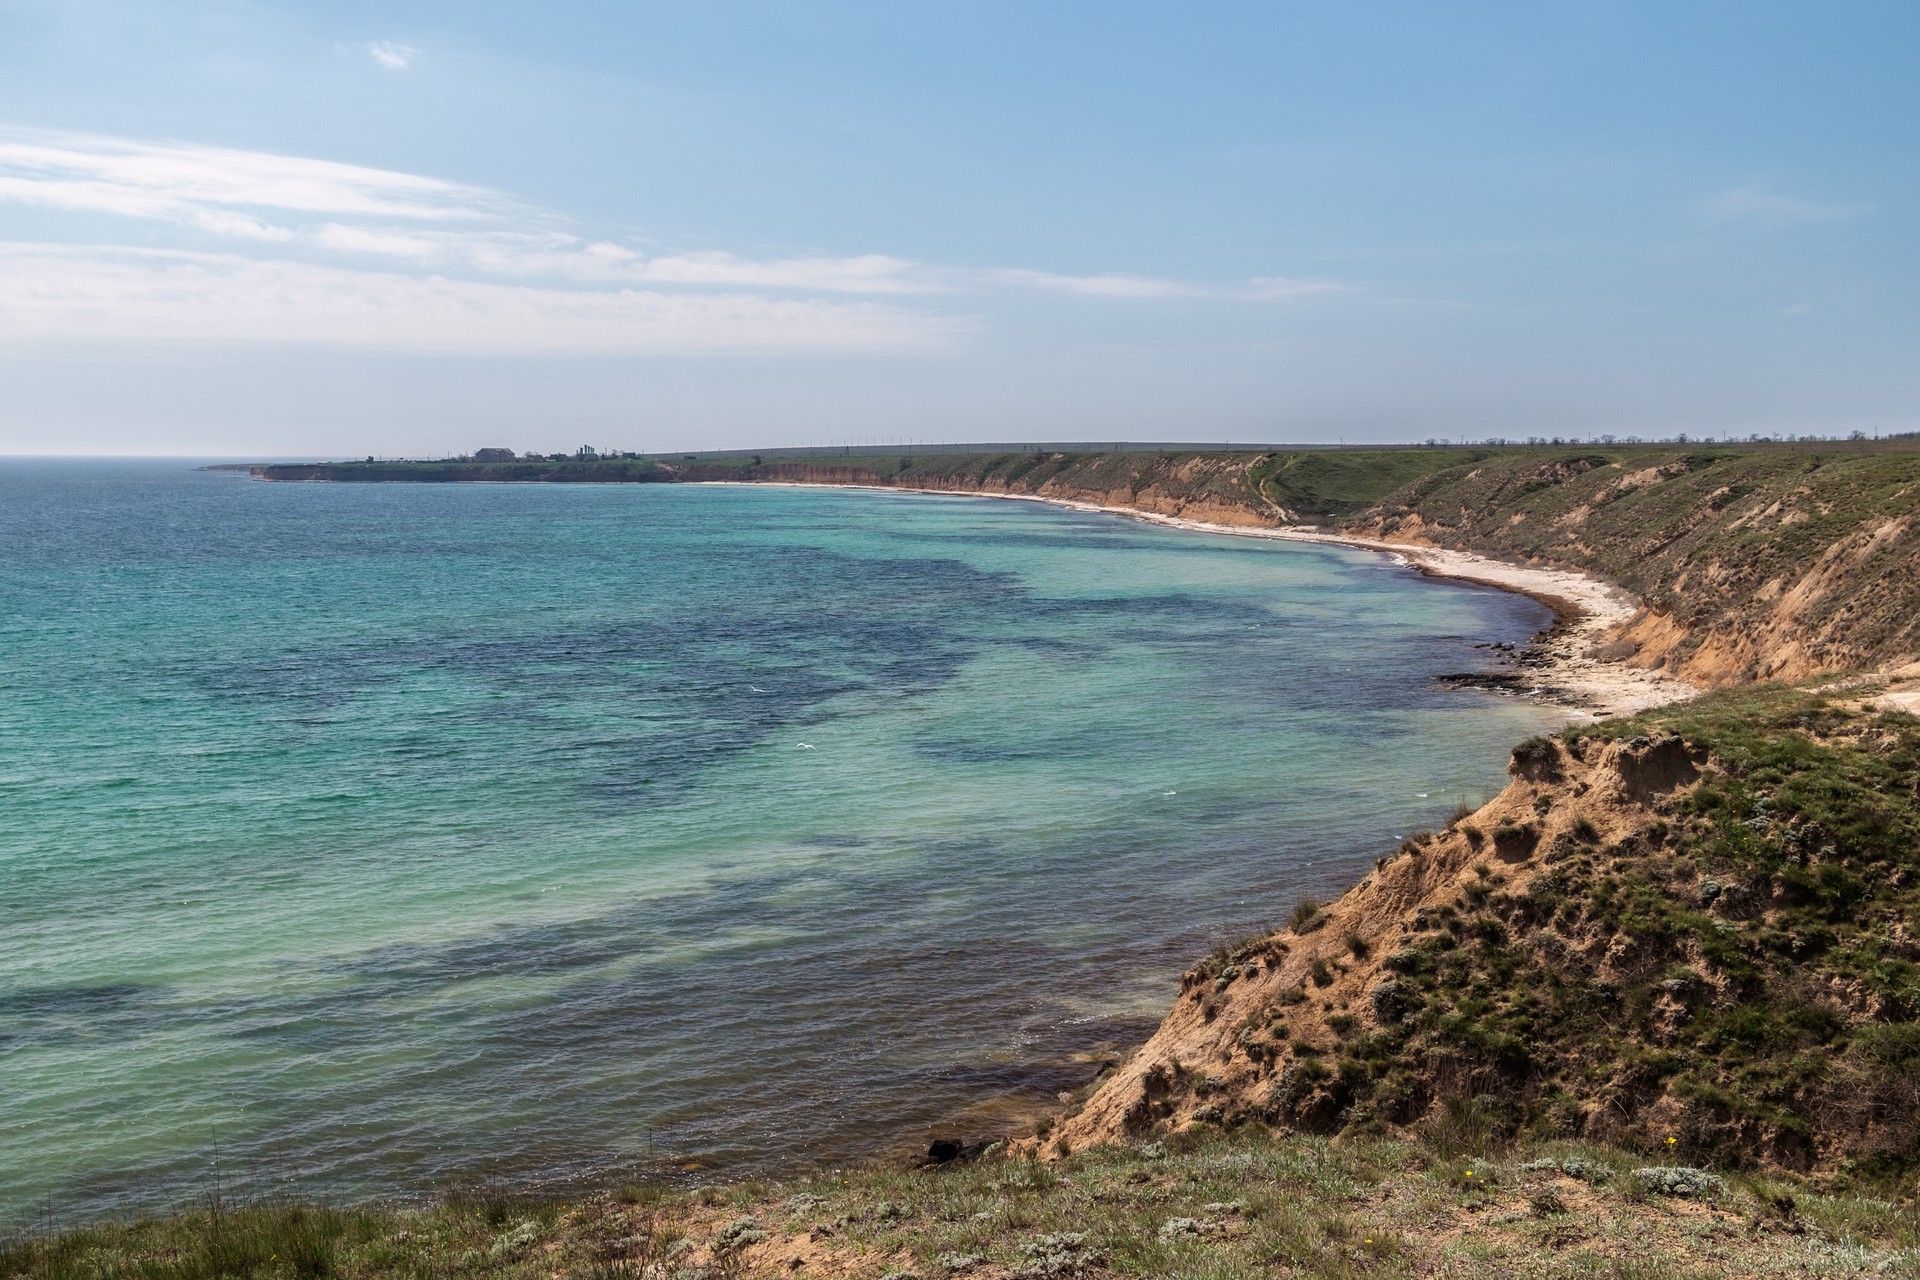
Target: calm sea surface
point(360, 840)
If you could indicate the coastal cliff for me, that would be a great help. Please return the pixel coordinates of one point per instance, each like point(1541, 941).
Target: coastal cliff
point(1212, 488)
point(1690, 932)
point(1762, 564)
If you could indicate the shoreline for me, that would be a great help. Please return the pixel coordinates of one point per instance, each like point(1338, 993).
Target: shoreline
point(1561, 662)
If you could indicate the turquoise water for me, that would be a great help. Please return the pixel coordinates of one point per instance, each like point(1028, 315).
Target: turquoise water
point(360, 840)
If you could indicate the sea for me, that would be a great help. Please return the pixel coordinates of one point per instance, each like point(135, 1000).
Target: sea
point(362, 842)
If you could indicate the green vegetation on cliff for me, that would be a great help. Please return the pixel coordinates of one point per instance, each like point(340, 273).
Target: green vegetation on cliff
point(1739, 971)
point(1343, 482)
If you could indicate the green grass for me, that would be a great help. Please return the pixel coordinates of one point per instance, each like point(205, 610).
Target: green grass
point(1328, 482)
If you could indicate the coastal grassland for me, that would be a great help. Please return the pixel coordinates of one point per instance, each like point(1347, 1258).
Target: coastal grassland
point(1344, 482)
point(1200, 1205)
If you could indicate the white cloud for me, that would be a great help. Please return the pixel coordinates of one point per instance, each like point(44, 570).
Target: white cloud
point(865, 273)
point(180, 182)
point(341, 253)
point(391, 56)
point(222, 222)
point(1100, 286)
point(54, 292)
point(1758, 205)
point(565, 256)
point(388, 244)
point(1292, 286)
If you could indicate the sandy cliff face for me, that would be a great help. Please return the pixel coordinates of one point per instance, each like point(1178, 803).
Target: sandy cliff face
point(1213, 489)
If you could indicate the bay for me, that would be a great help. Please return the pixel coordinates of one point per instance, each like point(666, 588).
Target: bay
point(361, 840)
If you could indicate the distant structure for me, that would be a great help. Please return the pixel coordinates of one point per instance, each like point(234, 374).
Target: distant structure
point(586, 451)
point(493, 455)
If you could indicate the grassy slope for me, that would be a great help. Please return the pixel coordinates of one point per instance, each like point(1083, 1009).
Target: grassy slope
point(1201, 1206)
point(1345, 482)
point(1769, 985)
point(1717, 540)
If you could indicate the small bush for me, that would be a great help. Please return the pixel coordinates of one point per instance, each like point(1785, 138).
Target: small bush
point(1678, 1181)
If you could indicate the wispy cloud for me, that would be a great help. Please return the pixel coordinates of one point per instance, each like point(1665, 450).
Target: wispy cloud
point(1768, 208)
point(319, 251)
point(864, 273)
point(1285, 287)
point(392, 56)
point(54, 292)
point(1095, 286)
point(199, 184)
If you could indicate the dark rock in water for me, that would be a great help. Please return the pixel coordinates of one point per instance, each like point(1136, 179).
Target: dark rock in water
point(1482, 680)
point(944, 1150)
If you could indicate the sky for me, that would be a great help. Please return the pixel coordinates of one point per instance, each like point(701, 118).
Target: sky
point(246, 228)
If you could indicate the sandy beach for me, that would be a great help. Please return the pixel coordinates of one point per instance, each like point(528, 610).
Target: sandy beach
point(1560, 668)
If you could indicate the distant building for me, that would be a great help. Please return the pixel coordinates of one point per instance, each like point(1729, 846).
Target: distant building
point(586, 451)
point(493, 455)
